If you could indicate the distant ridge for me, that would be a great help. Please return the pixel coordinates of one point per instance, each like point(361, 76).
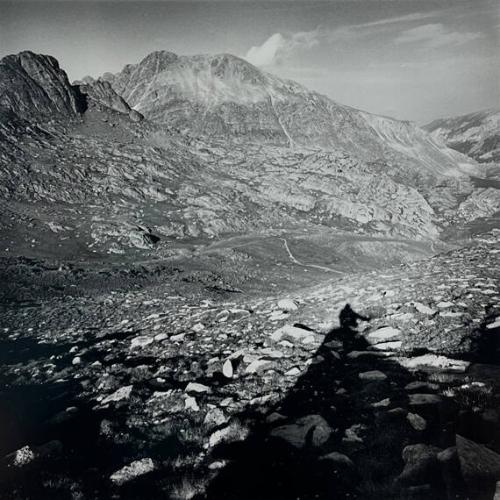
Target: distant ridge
point(475, 134)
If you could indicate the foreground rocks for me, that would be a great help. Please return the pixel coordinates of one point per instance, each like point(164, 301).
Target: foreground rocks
point(160, 404)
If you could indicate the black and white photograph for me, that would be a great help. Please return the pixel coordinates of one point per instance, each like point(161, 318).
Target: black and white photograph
point(249, 250)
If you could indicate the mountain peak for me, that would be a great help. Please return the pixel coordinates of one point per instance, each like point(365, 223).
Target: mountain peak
point(33, 86)
point(161, 58)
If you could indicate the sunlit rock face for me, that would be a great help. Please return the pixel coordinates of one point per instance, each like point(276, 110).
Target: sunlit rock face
point(225, 96)
point(476, 134)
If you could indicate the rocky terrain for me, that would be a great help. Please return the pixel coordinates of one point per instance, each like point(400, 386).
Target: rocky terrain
point(476, 134)
point(177, 241)
point(146, 186)
point(150, 392)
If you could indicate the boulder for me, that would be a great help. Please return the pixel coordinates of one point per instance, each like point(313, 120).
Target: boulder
point(479, 464)
point(198, 388)
point(287, 305)
point(227, 369)
point(416, 421)
point(121, 394)
point(423, 309)
point(421, 465)
point(258, 366)
point(434, 361)
point(309, 431)
point(135, 116)
point(293, 334)
point(132, 471)
point(384, 334)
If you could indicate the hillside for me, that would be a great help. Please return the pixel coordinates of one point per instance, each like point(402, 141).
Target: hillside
point(476, 134)
point(225, 96)
point(158, 190)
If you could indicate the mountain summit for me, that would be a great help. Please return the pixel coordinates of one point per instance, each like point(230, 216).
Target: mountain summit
point(225, 96)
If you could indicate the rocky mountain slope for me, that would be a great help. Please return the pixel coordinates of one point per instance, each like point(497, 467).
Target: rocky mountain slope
point(147, 186)
point(476, 134)
point(225, 96)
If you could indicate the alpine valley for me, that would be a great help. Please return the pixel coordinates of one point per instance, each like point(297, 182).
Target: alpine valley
point(176, 241)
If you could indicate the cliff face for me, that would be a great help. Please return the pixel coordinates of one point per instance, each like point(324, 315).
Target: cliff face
point(33, 86)
point(476, 134)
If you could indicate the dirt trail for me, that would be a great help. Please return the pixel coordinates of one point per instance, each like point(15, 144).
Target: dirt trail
point(295, 261)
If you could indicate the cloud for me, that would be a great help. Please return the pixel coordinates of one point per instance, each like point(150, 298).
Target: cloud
point(435, 35)
point(277, 48)
point(416, 16)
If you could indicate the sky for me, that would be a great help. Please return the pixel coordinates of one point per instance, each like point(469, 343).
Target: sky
point(411, 59)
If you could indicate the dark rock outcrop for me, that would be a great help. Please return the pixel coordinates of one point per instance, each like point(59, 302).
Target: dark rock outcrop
point(101, 93)
point(34, 87)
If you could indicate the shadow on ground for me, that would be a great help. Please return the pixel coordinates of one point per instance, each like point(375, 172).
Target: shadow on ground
point(341, 431)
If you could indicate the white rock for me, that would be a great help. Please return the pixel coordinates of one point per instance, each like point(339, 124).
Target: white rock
point(178, 338)
point(278, 315)
point(435, 361)
point(160, 337)
point(230, 433)
point(444, 304)
point(121, 394)
point(133, 470)
point(23, 456)
point(384, 334)
point(217, 465)
point(389, 346)
point(191, 404)
point(76, 361)
point(258, 365)
point(198, 327)
point(197, 388)
point(382, 404)
point(423, 309)
point(293, 372)
point(293, 334)
point(141, 341)
point(450, 314)
point(227, 369)
point(287, 305)
point(272, 353)
point(495, 324)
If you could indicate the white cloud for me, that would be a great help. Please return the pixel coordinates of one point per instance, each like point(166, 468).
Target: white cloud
point(277, 48)
point(435, 35)
point(416, 16)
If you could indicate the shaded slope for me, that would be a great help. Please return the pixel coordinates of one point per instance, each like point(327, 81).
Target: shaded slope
point(33, 86)
point(476, 134)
